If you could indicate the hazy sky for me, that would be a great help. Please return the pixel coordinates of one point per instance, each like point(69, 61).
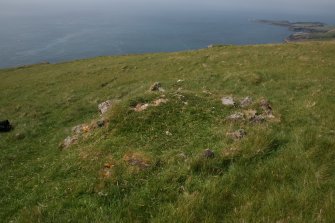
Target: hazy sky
point(55, 6)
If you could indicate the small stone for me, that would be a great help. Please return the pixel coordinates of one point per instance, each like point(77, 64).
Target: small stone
point(250, 114)
point(159, 101)
point(141, 107)
point(108, 165)
point(102, 194)
point(5, 126)
point(78, 129)
point(19, 136)
point(105, 106)
point(271, 116)
point(230, 152)
point(179, 81)
point(236, 117)
point(182, 156)
point(258, 119)
point(266, 107)
point(156, 87)
point(86, 128)
point(168, 133)
point(239, 134)
point(101, 123)
point(228, 101)
point(245, 102)
point(68, 141)
point(208, 154)
point(124, 67)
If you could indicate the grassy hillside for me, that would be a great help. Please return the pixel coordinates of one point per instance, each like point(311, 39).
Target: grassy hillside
point(149, 166)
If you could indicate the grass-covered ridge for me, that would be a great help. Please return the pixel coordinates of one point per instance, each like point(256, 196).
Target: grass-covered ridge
point(148, 166)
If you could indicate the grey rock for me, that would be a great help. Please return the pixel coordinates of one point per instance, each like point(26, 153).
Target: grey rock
point(105, 106)
point(68, 141)
point(245, 102)
point(78, 129)
point(228, 101)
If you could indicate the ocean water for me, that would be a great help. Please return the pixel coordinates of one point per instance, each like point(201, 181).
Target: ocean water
point(29, 39)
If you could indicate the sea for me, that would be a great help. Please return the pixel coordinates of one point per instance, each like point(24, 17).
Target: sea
point(58, 37)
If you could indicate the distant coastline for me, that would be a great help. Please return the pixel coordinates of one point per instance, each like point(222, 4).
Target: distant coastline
point(304, 30)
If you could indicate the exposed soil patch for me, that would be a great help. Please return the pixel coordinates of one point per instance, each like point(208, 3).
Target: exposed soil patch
point(138, 160)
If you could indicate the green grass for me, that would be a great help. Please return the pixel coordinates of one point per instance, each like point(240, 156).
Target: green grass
point(282, 171)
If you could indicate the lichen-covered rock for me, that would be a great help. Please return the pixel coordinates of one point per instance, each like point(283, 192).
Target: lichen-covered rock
point(228, 101)
point(105, 106)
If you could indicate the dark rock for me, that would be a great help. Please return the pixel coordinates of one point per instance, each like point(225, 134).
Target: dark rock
point(101, 123)
point(208, 154)
point(5, 126)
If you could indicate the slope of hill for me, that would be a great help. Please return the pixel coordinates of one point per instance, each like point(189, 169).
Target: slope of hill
point(270, 159)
